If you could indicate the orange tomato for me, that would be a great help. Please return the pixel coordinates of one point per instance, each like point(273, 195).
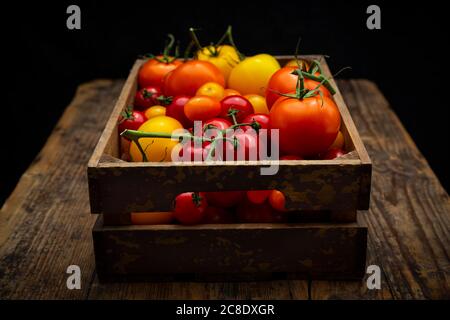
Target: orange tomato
point(338, 142)
point(231, 92)
point(191, 75)
point(151, 217)
point(277, 200)
point(202, 108)
point(211, 89)
point(155, 111)
point(258, 102)
point(153, 71)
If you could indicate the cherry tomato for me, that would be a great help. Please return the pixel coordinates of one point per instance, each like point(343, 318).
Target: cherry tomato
point(283, 81)
point(190, 76)
point(239, 103)
point(202, 108)
point(338, 142)
point(224, 199)
point(261, 119)
point(277, 200)
point(149, 218)
point(247, 145)
point(211, 126)
point(230, 92)
point(155, 111)
point(153, 72)
point(223, 151)
point(211, 89)
point(190, 208)
point(258, 102)
point(255, 213)
point(131, 119)
point(189, 152)
point(333, 153)
point(306, 127)
point(258, 196)
point(176, 110)
point(217, 215)
point(291, 157)
point(147, 97)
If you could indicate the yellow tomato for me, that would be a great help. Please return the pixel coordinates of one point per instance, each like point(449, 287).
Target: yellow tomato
point(304, 65)
point(155, 111)
point(258, 102)
point(338, 142)
point(252, 75)
point(211, 89)
point(223, 57)
point(156, 149)
point(162, 217)
point(231, 92)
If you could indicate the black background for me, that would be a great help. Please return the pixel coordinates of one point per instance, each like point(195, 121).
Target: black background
point(44, 63)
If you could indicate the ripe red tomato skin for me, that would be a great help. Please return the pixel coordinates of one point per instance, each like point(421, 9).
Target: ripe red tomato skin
point(195, 153)
point(197, 72)
point(258, 196)
point(255, 213)
point(132, 124)
point(247, 145)
point(218, 215)
point(224, 199)
point(239, 103)
point(306, 127)
point(153, 72)
point(277, 200)
point(261, 118)
point(333, 153)
point(142, 102)
point(176, 110)
point(186, 211)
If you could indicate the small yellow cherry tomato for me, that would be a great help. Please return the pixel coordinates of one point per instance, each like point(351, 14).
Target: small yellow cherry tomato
point(155, 111)
point(258, 102)
point(156, 149)
point(338, 142)
point(211, 89)
point(304, 65)
point(231, 92)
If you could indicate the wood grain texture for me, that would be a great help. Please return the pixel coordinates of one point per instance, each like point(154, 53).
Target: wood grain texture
point(45, 224)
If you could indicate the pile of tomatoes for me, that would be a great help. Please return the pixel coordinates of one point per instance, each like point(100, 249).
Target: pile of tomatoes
point(226, 91)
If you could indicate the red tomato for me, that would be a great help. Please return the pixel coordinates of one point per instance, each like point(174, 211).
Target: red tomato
point(222, 151)
point(147, 97)
point(153, 72)
point(277, 200)
point(218, 215)
point(247, 145)
point(283, 81)
point(255, 213)
point(291, 157)
point(211, 126)
point(190, 76)
point(189, 153)
point(333, 153)
point(261, 118)
point(176, 110)
point(131, 120)
point(201, 108)
point(306, 127)
point(258, 196)
point(224, 199)
point(239, 103)
point(190, 207)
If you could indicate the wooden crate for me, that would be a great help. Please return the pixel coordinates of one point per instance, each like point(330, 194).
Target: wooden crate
point(331, 243)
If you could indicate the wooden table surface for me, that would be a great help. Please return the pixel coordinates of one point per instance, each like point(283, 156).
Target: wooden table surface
point(45, 225)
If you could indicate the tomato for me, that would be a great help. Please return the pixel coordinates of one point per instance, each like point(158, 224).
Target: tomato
point(247, 145)
point(252, 74)
point(306, 127)
point(333, 153)
point(131, 119)
point(258, 102)
point(304, 65)
point(239, 103)
point(147, 97)
point(291, 157)
point(223, 57)
point(190, 152)
point(190, 76)
point(211, 89)
point(202, 108)
point(211, 126)
point(216, 215)
point(153, 72)
point(223, 151)
point(277, 200)
point(155, 111)
point(261, 119)
point(338, 142)
point(283, 81)
point(224, 199)
point(176, 110)
point(255, 213)
point(230, 92)
point(258, 196)
point(190, 208)
point(149, 218)
point(156, 149)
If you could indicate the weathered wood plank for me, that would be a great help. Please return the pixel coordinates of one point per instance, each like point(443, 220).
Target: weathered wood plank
point(410, 211)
